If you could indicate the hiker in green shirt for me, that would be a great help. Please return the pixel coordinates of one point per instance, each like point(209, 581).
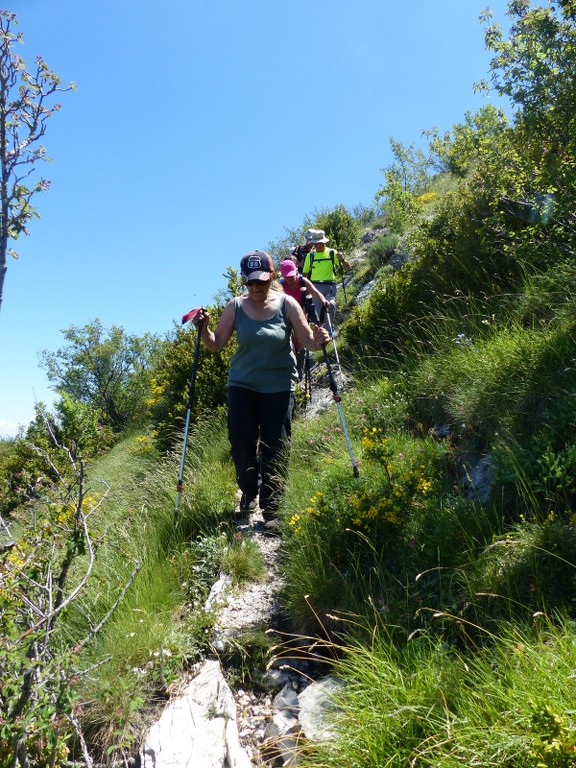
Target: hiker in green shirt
point(320, 267)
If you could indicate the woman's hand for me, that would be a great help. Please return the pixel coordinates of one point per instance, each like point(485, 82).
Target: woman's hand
point(202, 316)
point(321, 336)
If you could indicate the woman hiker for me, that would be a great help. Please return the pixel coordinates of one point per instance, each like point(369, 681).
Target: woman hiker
point(261, 379)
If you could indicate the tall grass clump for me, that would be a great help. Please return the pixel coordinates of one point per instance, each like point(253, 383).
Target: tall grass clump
point(352, 548)
point(425, 703)
point(159, 626)
point(381, 250)
point(529, 567)
point(509, 394)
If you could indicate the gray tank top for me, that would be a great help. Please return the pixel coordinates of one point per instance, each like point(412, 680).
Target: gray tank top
point(263, 360)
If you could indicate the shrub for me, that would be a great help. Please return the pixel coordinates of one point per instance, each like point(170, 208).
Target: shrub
point(171, 384)
point(340, 226)
point(381, 250)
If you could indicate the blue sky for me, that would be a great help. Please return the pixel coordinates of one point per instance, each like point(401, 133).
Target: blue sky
point(200, 130)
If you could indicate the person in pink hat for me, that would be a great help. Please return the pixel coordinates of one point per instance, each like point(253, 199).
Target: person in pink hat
point(298, 286)
point(301, 289)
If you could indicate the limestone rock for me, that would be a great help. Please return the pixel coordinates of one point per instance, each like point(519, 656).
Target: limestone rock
point(198, 728)
point(316, 701)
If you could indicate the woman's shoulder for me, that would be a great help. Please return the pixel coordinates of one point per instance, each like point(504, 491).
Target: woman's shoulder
point(232, 303)
point(291, 303)
point(231, 307)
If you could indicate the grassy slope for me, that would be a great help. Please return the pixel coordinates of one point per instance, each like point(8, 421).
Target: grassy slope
point(424, 595)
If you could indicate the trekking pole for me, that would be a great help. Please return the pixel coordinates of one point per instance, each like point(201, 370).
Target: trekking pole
point(331, 332)
point(312, 317)
point(307, 379)
point(179, 486)
point(343, 285)
point(337, 399)
point(344, 288)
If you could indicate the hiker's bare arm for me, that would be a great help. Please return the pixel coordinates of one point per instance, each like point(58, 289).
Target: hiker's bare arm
point(313, 291)
point(345, 264)
point(216, 339)
point(307, 338)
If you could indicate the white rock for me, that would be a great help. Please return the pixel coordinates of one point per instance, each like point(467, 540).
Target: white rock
point(316, 701)
point(219, 592)
point(198, 729)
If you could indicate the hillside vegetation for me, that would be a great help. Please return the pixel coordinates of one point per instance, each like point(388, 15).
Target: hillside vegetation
point(441, 587)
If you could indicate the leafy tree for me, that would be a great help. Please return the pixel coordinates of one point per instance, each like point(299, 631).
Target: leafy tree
point(281, 248)
point(411, 167)
point(536, 68)
point(405, 178)
point(25, 107)
point(457, 150)
point(32, 462)
point(234, 287)
point(106, 369)
point(340, 226)
point(79, 426)
point(531, 67)
point(22, 474)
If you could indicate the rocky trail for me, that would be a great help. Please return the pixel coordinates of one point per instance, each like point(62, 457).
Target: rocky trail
point(210, 722)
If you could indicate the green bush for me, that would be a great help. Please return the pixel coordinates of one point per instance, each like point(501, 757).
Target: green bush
point(340, 226)
point(170, 388)
point(23, 474)
point(381, 250)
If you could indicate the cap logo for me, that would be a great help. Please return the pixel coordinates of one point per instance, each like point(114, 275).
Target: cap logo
point(253, 263)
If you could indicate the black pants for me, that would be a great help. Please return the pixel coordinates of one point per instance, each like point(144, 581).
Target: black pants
point(259, 430)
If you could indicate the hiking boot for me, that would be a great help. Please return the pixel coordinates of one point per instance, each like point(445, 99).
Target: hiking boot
point(268, 507)
point(272, 526)
point(248, 503)
point(268, 513)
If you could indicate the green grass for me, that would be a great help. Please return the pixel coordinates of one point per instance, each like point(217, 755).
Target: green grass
point(159, 626)
point(450, 620)
point(412, 606)
point(425, 703)
point(244, 561)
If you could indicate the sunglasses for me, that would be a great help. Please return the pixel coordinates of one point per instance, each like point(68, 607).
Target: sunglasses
point(250, 283)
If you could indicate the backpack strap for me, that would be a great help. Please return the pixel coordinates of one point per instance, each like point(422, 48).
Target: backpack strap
point(329, 251)
point(311, 254)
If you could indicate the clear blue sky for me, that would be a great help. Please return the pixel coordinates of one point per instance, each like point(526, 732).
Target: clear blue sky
point(200, 130)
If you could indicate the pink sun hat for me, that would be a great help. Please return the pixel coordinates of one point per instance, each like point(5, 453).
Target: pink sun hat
point(288, 268)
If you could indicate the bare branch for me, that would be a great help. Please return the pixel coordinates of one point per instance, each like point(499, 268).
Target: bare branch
point(83, 746)
point(94, 630)
point(49, 618)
